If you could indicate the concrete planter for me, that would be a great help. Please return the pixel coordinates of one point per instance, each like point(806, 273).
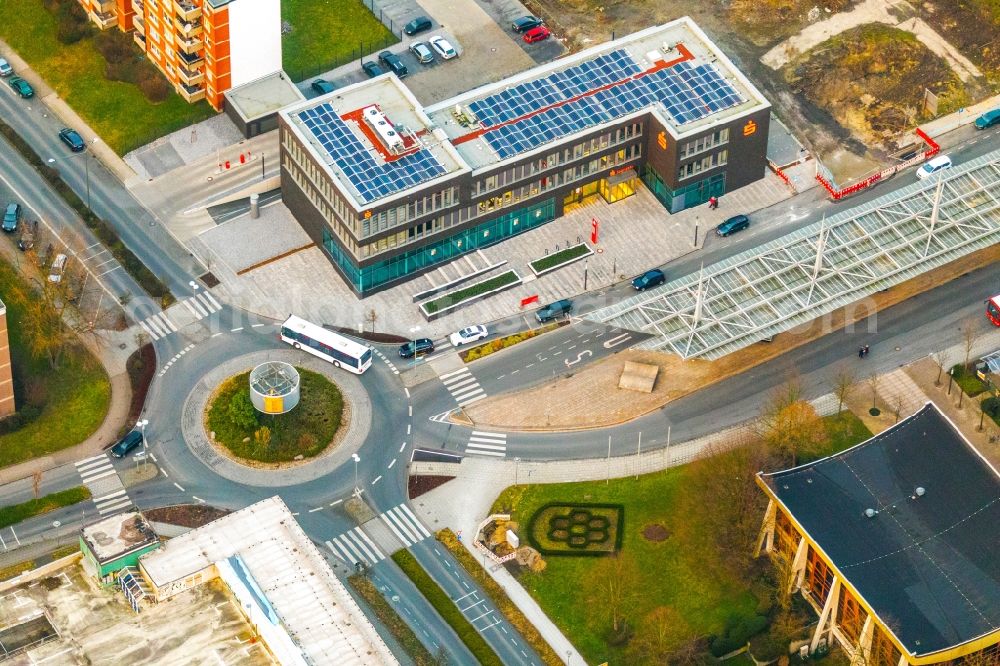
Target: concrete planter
point(573, 257)
point(513, 281)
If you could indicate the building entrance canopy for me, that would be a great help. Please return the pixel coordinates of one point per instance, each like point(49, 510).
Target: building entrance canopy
point(820, 268)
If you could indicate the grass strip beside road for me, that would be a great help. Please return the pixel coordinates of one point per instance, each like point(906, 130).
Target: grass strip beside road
point(388, 616)
point(104, 231)
point(15, 513)
point(117, 111)
point(459, 295)
point(15, 570)
point(503, 602)
point(446, 608)
point(557, 258)
point(487, 348)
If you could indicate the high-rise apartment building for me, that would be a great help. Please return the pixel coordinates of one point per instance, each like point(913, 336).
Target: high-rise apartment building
point(203, 47)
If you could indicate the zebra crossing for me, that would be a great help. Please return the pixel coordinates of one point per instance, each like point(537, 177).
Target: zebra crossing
point(487, 444)
point(158, 325)
point(94, 468)
point(113, 502)
point(201, 305)
point(406, 526)
point(463, 386)
point(355, 546)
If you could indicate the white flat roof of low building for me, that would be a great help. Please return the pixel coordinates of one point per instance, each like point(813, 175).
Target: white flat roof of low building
point(264, 96)
point(311, 602)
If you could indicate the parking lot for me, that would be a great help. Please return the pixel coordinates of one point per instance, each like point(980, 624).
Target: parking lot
point(489, 50)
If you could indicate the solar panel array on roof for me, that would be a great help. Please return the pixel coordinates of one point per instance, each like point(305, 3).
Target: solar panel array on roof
point(531, 96)
point(372, 179)
point(687, 92)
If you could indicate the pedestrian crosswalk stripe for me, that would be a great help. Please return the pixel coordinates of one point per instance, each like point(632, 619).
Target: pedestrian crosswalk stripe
point(210, 301)
point(449, 374)
point(196, 304)
point(355, 546)
point(104, 508)
point(463, 386)
point(404, 524)
point(484, 443)
point(191, 309)
point(158, 325)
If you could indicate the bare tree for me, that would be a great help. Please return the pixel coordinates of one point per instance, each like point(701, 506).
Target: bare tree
point(615, 579)
point(45, 324)
point(874, 381)
point(371, 317)
point(941, 358)
point(971, 332)
point(843, 384)
point(790, 425)
point(36, 482)
point(664, 630)
point(897, 406)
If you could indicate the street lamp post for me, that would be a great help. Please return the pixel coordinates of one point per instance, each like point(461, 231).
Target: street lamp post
point(516, 461)
point(413, 341)
point(86, 165)
point(356, 458)
point(141, 424)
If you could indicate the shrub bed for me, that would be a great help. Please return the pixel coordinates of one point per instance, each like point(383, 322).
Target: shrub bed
point(141, 366)
point(577, 529)
point(15, 513)
point(104, 231)
point(557, 259)
point(453, 298)
point(446, 608)
point(388, 616)
point(509, 609)
point(305, 431)
point(968, 381)
point(487, 348)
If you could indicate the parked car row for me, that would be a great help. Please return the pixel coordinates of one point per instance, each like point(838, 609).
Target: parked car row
point(531, 29)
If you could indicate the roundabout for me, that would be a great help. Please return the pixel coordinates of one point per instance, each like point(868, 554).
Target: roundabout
point(348, 439)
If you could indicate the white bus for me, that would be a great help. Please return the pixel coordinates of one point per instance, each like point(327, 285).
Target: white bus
point(329, 346)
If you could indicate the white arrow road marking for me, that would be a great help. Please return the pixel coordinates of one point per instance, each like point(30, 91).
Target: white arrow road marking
point(579, 357)
point(614, 342)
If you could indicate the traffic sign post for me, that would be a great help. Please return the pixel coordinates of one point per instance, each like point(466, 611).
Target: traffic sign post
point(594, 226)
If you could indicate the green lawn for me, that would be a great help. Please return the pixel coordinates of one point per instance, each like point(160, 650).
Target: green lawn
point(329, 33)
point(679, 572)
point(306, 430)
point(15, 513)
point(71, 402)
point(117, 111)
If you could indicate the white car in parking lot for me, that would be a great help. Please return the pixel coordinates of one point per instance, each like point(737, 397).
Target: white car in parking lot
point(443, 47)
point(467, 335)
point(933, 166)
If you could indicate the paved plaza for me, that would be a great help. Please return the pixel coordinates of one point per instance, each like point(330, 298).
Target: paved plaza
point(635, 235)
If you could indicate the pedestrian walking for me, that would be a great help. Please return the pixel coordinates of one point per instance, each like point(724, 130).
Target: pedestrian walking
point(866, 350)
point(861, 352)
point(713, 203)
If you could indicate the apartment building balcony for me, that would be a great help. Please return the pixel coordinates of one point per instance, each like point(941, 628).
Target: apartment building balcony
point(190, 59)
point(187, 11)
point(190, 45)
point(139, 8)
point(191, 93)
point(138, 37)
point(188, 29)
point(193, 78)
point(104, 6)
point(105, 20)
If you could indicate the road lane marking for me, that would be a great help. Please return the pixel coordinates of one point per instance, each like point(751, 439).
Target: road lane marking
point(216, 334)
point(198, 499)
point(336, 502)
point(376, 479)
point(256, 325)
point(408, 426)
point(615, 341)
point(319, 508)
point(402, 447)
point(391, 464)
point(234, 330)
point(579, 357)
point(179, 486)
point(406, 391)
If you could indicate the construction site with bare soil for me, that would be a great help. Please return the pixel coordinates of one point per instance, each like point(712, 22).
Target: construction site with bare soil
point(851, 79)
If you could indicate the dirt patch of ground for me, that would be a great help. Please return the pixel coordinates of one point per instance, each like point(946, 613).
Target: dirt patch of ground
point(186, 515)
point(766, 22)
point(655, 532)
point(418, 485)
point(970, 26)
point(568, 404)
point(872, 79)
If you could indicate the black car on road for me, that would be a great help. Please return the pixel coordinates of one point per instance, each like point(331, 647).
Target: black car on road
point(554, 310)
point(525, 23)
point(733, 224)
point(322, 86)
point(419, 24)
point(72, 139)
point(651, 278)
point(418, 347)
point(372, 69)
point(126, 444)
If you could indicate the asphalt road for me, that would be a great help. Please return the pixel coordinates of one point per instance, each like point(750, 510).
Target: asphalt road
point(403, 417)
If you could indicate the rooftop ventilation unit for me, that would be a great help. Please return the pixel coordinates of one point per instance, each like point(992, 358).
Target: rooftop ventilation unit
point(385, 130)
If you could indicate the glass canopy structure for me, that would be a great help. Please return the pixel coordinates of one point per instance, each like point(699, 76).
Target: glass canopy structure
point(820, 268)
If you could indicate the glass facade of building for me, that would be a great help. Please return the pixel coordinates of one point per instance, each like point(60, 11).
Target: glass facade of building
point(368, 278)
point(686, 196)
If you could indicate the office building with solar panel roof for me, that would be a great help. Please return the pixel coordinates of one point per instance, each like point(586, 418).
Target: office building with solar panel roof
point(390, 189)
